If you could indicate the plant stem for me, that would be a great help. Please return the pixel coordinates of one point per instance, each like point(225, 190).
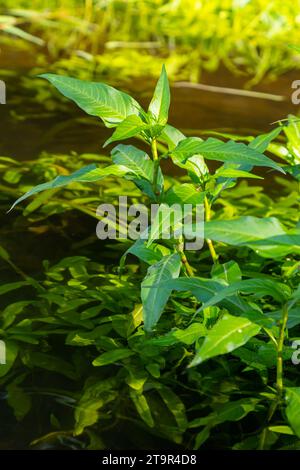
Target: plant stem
point(264, 433)
point(156, 166)
point(279, 373)
point(283, 323)
point(208, 241)
point(184, 260)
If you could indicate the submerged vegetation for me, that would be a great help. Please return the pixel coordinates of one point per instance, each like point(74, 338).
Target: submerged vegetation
point(189, 348)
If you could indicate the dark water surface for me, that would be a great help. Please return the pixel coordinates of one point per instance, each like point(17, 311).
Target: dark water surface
point(36, 129)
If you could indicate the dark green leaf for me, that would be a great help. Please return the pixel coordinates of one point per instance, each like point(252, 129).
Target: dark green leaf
point(154, 299)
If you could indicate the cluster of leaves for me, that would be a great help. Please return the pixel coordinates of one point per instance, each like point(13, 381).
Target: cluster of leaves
point(200, 344)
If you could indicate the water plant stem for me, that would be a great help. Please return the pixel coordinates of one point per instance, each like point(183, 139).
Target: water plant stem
point(208, 241)
point(279, 374)
point(184, 260)
point(156, 166)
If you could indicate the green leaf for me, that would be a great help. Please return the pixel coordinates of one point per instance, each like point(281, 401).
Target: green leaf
point(12, 286)
point(130, 127)
point(174, 404)
point(111, 357)
point(138, 166)
point(230, 411)
point(134, 160)
point(204, 289)
point(166, 221)
point(160, 103)
point(95, 396)
point(154, 299)
point(265, 236)
point(18, 400)
point(49, 362)
point(11, 352)
point(183, 194)
point(86, 174)
point(259, 287)
point(293, 320)
point(171, 136)
point(229, 271)
point(4, 254)
point(227, 334)
point(11, 311)
point(96, 99)
point(149, 255)
point(137, 376)
point(142, 407)
point(229, 152)
point(195, 165)
point(261, 142)
point(234, 173)
point(135, 319)
point(292, 132)
point(293, 170)
point(187, 336)
point(282, 430)
point(293, 408)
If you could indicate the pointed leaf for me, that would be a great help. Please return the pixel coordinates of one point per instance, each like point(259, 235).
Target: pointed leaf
point(110, 357)
point(134, 160)
point(261, 142)
point(214, 149)
point(266, 236)
point(227, 334)
point(154, 299)
point(86, 174)
point(160, 103)
point(142, 407)
point(293, 408)
point(96, 99)
point(130, 127)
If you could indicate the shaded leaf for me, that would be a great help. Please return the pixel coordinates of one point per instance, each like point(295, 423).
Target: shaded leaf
point(154, 299)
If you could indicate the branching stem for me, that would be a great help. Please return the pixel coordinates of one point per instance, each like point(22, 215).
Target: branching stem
point(279, 374)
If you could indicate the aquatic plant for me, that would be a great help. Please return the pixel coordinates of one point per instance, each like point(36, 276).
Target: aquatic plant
point(194, 347)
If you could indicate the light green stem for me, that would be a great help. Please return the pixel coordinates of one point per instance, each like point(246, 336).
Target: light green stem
point(156, 167)
point(279, 374)
point(283, 323)
point(208, 241)
point(184, 260)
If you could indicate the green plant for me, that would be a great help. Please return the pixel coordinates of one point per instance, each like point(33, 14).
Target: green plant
point(250, 38)
point(234, 304)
